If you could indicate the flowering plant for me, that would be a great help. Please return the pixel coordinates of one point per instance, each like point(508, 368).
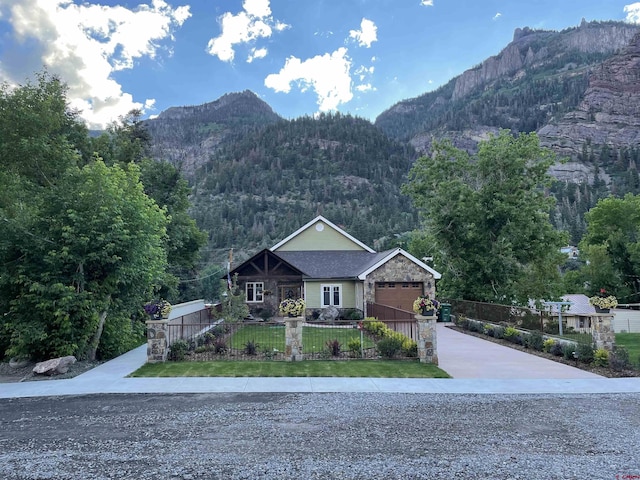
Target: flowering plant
point(423, 304)
point(158, 308)
point(603, 301)
point(292, 307)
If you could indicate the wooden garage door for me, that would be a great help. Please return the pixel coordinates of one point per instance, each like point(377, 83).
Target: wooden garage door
point(398, 294)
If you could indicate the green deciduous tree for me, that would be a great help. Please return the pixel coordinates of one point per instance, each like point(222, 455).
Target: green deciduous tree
point(487, 219)
point(612, 247)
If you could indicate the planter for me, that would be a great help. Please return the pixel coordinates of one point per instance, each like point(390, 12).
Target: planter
point(428, 313)
point(602, 310)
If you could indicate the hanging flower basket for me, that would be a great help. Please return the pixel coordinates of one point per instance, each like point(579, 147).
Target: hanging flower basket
point(158, 309)
point(603, 302)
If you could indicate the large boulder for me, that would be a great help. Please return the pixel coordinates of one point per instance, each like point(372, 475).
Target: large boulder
point(55, 366)
point(329, 314)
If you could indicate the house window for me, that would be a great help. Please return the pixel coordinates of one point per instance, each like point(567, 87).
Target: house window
point(254, 292)
point(331, 295)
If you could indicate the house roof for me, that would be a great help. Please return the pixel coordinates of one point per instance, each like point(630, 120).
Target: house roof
point(313, 222)
point(331, 264)
point(579, 304)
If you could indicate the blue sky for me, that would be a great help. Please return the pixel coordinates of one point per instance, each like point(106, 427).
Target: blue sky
point(300, 56)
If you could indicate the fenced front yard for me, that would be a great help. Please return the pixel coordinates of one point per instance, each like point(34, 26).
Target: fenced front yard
point(247, 340)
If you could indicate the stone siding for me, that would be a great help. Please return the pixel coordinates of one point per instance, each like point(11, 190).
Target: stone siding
point(399, 269)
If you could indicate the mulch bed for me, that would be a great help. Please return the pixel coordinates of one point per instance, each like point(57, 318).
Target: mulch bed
point(603, 371)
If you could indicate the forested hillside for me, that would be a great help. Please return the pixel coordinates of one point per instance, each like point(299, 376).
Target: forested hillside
point(256, 191)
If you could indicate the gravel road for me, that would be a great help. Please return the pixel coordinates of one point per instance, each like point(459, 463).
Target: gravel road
point(332, 436)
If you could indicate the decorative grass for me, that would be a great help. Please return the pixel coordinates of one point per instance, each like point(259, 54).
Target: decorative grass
point(311, 368)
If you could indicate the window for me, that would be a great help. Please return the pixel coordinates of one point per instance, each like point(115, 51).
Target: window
point(254, 292)
point(331, 295)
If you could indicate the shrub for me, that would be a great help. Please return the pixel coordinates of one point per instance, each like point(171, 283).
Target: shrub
point(498, 332)
point(601, 357)
point(375, 327)
point(556, 349)
point(354, 346)
point(251, 347)
point(178, 350)
point(333, 347)
point(552, 327)
point(567, 351)
point(619, 359)
point(585, 352)
point(389, 347)
point(548, 344)
point(462, 322)
point(220, 346)
point(535, 341)
point(409, 348)
point(488, 330)
point(510, 333)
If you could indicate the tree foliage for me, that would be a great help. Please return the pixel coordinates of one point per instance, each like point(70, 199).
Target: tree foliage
point(612, 248)
point(84, 245)
point(487, 219)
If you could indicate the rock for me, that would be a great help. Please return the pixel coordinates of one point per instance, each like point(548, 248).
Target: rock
point(55, 366)
point(329, 314)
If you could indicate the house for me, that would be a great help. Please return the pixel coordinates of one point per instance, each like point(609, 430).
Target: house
point(326, 266)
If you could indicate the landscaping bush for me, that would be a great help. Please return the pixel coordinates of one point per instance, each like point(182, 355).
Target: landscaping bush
point(619, 359)
point(354, 347)
point(556, 349)
point(548, 344)
point(251, 347)
point(375, 327)
point(601, 357)
point(389, 347)
point(535, 341)
point(585, 352)
point(498, 332)
point(220, 346)
point(510, 333)
point(333, 347)
point(409, 348)
point(567, 351)
point(462, 322)
point(552, 327)
point(178, 350)
point(488, 330)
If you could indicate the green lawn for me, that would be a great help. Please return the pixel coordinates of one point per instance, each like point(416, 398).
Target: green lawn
point(270, 337)
point(630, 341)
point(311, 368)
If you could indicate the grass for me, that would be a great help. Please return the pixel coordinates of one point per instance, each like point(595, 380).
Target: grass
point(311, 368)
point(271, 337)
point(631, 342)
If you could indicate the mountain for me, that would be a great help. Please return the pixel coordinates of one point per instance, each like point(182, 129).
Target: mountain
point(256, 177)
point(186, 136)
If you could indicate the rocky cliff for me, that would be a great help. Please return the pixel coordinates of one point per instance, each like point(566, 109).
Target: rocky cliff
point(609, 113)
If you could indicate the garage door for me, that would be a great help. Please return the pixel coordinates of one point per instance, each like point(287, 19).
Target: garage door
point(398, 294)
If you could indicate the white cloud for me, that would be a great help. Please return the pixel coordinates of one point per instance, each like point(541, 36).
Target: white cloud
point(366, 87)
point(497, 16)
point(84, 44)
point(633, 12)
point(367, 33)
point(427, 3)
point(328, 75)
point(254, 22)
point(256, 53)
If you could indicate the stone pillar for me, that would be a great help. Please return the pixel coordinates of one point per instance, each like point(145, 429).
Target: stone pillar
point(602, 328)
point(427, 339)
point(157, 348)
point(293, 338)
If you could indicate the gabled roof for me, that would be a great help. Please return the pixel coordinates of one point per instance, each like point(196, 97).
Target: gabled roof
point(313, 222)
point(330, 264)
point(389, 254)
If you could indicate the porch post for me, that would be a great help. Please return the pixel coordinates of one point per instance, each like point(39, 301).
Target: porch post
point(293, 338)
point(427, 339)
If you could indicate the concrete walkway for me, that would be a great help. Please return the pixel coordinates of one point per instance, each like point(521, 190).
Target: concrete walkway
point(476, 367)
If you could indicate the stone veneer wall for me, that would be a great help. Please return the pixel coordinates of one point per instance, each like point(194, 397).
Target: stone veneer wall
point(398, 269)
point(157, 348)
point(603, 334)
point(427, 339)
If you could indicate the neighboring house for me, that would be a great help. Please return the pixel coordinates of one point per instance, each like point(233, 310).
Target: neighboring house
point(570, 251)
point(326, 266)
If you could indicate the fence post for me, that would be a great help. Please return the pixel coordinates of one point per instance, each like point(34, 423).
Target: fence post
point(293, 338)
point(603, 333)
point(427, 339)
point(157, 346)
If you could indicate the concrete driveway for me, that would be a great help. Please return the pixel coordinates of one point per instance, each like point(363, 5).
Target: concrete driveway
point(466, 356)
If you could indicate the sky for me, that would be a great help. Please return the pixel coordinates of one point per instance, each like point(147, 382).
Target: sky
point(302, 57)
